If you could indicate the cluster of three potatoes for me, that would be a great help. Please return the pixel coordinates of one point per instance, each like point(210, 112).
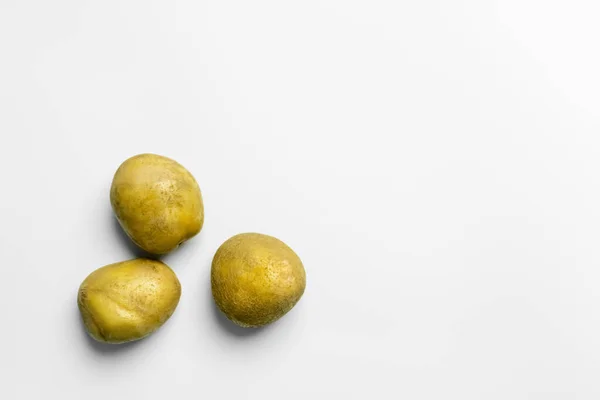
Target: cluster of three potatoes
point(255, 278)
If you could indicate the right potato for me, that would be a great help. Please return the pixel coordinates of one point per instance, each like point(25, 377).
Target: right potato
point(256, 279)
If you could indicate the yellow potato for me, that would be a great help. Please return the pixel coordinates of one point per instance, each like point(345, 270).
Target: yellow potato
point(256, 279)
point(129, 300)
point(157, 202)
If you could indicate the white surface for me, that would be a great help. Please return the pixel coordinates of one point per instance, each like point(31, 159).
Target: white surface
point(434, 163)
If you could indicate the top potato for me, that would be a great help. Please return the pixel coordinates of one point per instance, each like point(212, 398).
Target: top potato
point(157, 202)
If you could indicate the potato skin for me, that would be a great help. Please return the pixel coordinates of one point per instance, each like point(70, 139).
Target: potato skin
point(157, 202)
point(128, 300)
point(256, 279)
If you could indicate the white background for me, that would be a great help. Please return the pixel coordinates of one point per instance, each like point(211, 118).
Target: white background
point(434, 163)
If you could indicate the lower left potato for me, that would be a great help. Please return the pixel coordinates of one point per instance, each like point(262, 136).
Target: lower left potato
point(129, 300)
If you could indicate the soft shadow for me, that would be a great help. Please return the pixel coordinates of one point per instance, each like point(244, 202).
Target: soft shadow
point(128, 243)
point(183, 253)
point(226, 325)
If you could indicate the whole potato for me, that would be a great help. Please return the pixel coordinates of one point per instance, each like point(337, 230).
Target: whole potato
point(128, 300)
point(157, 202)
point(256, 279)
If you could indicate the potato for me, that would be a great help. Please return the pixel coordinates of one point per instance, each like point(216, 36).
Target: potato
point(157, 202)
point(128, 300)
point(256, 279)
